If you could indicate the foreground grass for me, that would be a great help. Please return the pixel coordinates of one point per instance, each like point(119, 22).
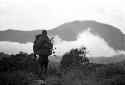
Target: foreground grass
point(103, 75)
point(25, 73)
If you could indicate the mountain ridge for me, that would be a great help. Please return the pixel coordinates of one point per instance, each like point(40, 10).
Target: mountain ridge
point(112, 35)
point(69, 32)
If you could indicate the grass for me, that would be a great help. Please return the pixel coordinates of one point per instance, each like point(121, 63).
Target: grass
point(90, 74)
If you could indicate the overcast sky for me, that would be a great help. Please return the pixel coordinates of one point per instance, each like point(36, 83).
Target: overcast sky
point(48, 14)
point(36, 14)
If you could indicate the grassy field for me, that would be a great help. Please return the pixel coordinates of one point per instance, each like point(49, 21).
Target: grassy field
point(23, 70)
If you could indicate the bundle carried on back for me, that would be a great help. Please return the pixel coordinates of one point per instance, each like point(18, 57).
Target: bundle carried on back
point(42, 44)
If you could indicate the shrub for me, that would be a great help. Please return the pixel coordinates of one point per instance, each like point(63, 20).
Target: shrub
point(18, 78)
point(118, 80)
point(21, 61)
point(110, 71)
point(74, 57)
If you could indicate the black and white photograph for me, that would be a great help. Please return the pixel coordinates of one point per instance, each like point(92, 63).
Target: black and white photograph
point(62, 42)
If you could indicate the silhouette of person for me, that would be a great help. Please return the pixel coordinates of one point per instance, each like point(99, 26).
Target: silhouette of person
point(43, 48)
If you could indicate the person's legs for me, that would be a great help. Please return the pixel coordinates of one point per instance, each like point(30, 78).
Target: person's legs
point(46, 63)
point(43, 61)
point(40, 66)
point(45, 66)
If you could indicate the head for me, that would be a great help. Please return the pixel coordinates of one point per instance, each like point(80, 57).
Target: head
point(44, 32)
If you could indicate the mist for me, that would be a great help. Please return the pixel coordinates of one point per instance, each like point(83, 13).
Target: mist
point(15, 47)
point(94, 44)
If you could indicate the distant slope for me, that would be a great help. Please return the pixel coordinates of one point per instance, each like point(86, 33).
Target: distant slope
point(99, 60)
point(69, 32)
point(18, 36)
point(110, 34)
point(107, 60)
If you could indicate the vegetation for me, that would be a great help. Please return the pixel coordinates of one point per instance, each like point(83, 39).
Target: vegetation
point(74, 69)
point(75, 57)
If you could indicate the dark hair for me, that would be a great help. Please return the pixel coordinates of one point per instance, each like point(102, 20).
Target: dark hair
point(44, 32)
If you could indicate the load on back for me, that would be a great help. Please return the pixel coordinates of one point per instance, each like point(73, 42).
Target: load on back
point(42, 44)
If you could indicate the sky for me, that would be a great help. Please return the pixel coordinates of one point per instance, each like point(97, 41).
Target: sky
point(48, 14)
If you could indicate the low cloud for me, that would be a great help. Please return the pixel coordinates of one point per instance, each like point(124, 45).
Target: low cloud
point(15, 47)
point(94, 44)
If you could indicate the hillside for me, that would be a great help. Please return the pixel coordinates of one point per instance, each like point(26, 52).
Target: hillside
point(69, 32)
